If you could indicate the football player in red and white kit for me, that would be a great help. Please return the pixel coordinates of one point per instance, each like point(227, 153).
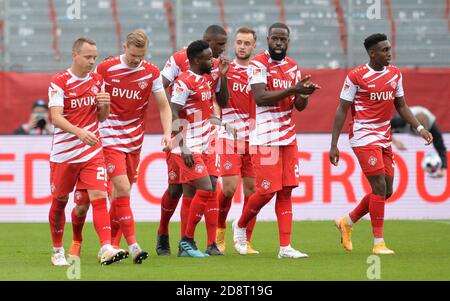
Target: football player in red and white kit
point(216, 37)
point(131, 81)
point(77, 103)
point(191, 107)
point(235, 159)
point(276, 88)
point(373, 91)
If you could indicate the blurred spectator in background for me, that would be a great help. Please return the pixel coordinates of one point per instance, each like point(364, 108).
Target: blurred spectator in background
point(38, 123)
point(428, 120)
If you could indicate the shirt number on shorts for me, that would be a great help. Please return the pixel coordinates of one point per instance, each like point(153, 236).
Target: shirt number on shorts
point(101, 173)
point(296, 171)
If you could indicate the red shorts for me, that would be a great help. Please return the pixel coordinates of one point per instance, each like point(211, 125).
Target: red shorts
point(276, 167)
point(173, 171)
point(375, 160)
point(212, 162)
point(236, 159)
point(90, 175)
point(119, 163)
point(187, 175)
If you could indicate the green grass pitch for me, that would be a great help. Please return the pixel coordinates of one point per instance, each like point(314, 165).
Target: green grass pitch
point(422, 253)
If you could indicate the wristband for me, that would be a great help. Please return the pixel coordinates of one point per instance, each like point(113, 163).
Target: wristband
point(419, 128)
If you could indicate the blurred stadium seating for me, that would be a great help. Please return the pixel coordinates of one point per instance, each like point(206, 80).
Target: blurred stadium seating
point(36, 35)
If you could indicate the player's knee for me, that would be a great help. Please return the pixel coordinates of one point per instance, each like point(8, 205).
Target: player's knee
point(63, 198)
point(379, 187)
point(97, 194)
point(82, 210)
point(175, 191)
point(249, 189)
point(123, 189)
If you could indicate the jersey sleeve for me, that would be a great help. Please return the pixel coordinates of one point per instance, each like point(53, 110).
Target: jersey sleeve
point(348, 90)
point(399, 90)
point(171, 69)
point(158, 85)
point(180, 93)
point(55, 95)
point(257, 73)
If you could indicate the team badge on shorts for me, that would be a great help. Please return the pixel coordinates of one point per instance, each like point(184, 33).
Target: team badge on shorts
point(143, 84)
point(227, 165)
point(110, 167)
point(199, 168)
point(52, 187)
point(77, 195)
point(265, 184)
point(372, 161)
point(94, 89)
point(172, 175)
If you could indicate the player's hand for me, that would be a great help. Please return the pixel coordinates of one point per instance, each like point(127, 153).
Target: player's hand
point(188, 159)
point(224, 65)
point(305, 86)
point(427, 136)
point(166, 142)
point(334, 155)
point(88, 137)
point(103, 99)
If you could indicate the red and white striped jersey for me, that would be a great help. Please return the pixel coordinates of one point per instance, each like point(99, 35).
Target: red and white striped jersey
point(78, 98)
point(372, 94)
point(240, 107)
point(193, 93)
point(273, 123)
point(130, 89)
point(179, 63)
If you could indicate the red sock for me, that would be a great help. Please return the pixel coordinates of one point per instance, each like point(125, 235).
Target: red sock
point(255, 203)
point(77, 226)
point(283, 209)
point(57, 220)
point(116, 233)
point(360, 210)
point(168, 206)
point(251, 223)
point(211, 216)
point(101, 220)
point(376, 209)
point(224, 208)
point(125, 217)
point(184, 214)
point(196, 210)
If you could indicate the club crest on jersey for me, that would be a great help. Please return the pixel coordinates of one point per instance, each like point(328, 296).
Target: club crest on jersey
point(199, 168)
point(265, 184)
point(142, 84)
point(393, 85)
point(95, 89)
point(172, 175)
point(110, 167)
point(227, 165)
point(372, 161)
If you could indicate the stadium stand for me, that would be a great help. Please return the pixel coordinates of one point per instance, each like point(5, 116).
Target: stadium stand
point(325, 33)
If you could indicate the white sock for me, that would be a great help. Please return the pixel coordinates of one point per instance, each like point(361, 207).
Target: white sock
point(349, 220)
point(378, 240)
point(284, 248)
point(58, 250)
point(132, 248)
point(106, 247)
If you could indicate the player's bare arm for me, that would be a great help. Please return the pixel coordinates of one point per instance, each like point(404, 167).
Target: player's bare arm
point(223, 94)
point(339, 119)
point(104, 102)
point(62, 123)
point(267, 98)
point(178, 133)
point(404, 111)
point(165, 115)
